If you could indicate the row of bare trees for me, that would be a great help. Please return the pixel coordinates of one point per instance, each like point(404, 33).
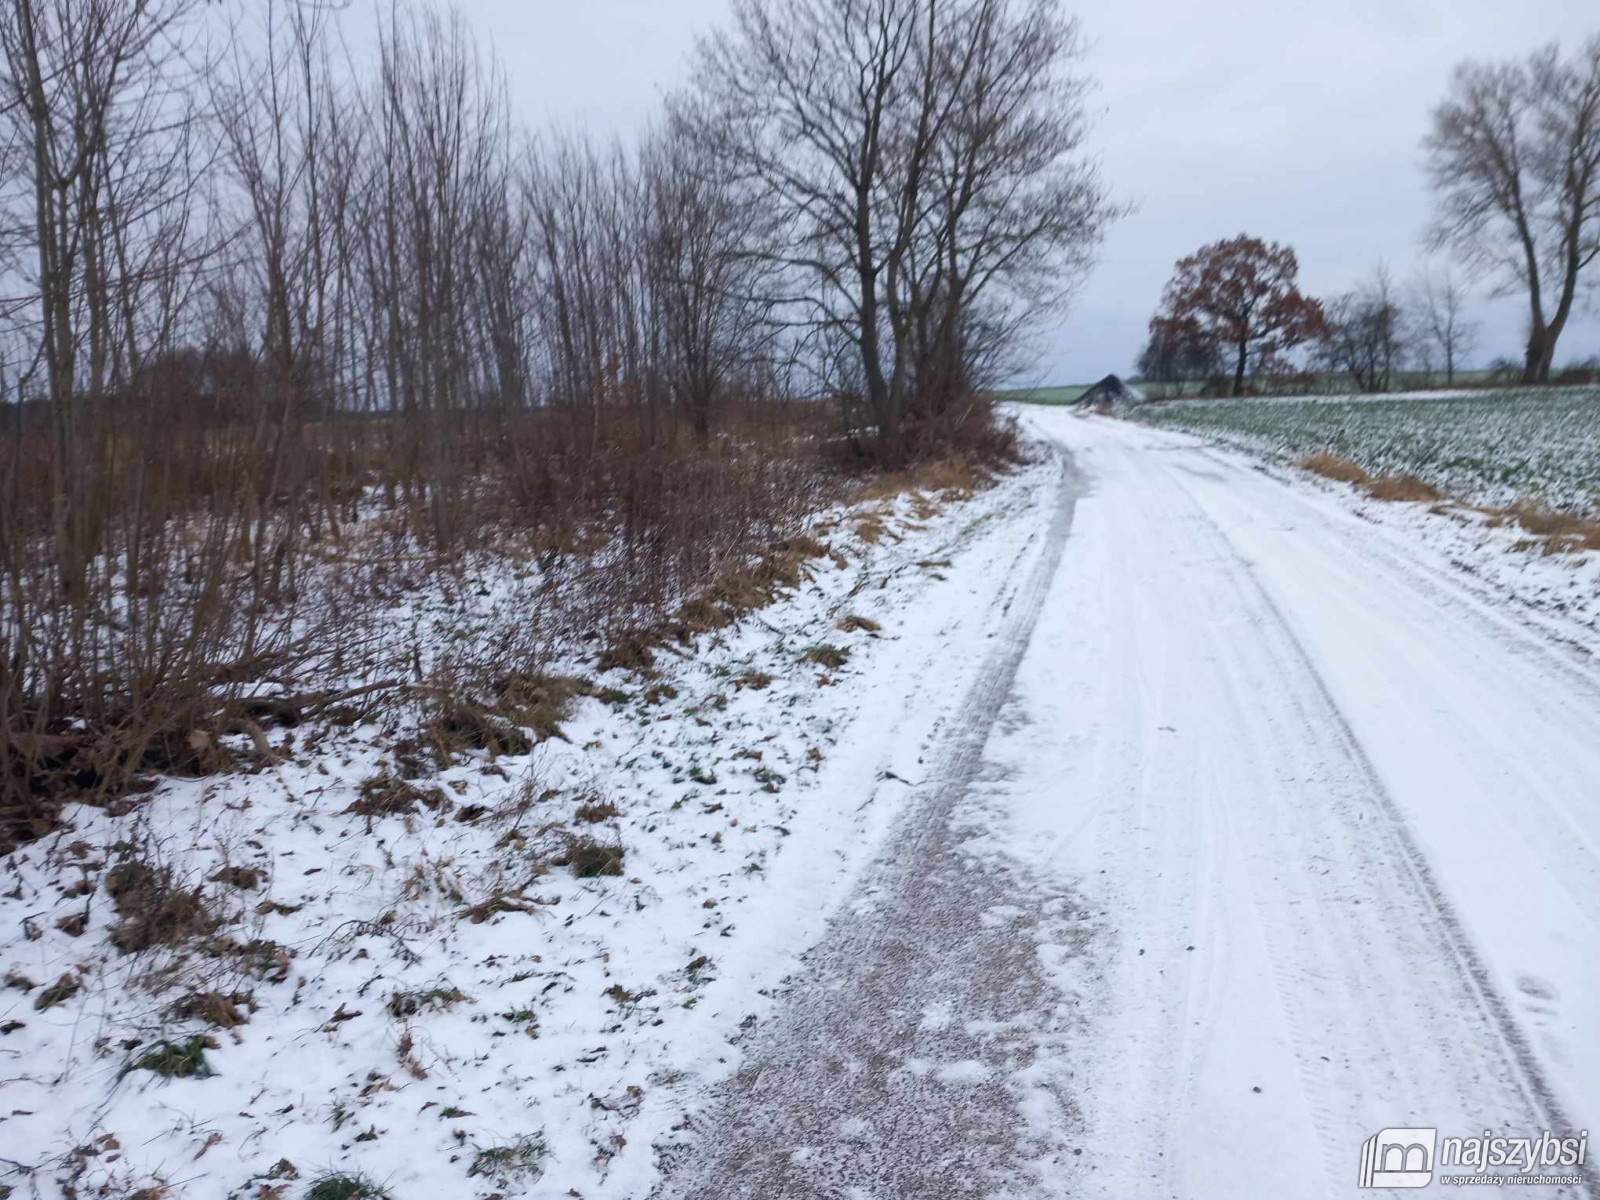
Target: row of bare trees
point(1513, 157)
point(1233, 311)
point(256, 282)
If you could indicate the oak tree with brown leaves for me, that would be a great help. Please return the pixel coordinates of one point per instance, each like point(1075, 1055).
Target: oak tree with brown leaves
point(1240, 294)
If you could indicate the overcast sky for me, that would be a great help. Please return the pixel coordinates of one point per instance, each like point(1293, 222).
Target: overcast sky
point(1297, 122)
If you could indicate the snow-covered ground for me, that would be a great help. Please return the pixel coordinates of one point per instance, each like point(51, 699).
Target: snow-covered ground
point(397, 1033)
point(1186, 821)
point(1333, 804)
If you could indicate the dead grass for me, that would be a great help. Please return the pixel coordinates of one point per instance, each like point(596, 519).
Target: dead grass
point(1565, 533)
point(596, 811)
point(220, 1010)
point(853, 623)
point(870, 529)
point(440, 998)
point(540, 702)
point(1402, 488)
point(628, 652)
point(460, 726)
point(589, 858)
point(390, 796)
point(155, 907)
point(951, 477)
point(829, 656)
point(246, 879)
point(61, 990)
point(1331, 466)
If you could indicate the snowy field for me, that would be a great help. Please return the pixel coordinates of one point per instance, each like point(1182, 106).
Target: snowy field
point(1489, 448)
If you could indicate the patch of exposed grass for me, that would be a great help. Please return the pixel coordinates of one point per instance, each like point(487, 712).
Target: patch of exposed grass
point(1331, 466)
point(58, 992)
point(390, 796)
point(1402, 488)
point(439, 998)
point(754, 680)
point(628, 652)
point(540, 702)
point(343, 1186)
point(500, 902)
point(590, 858)
point(177, 1060)
point(246, 879)
point(1566, 532)
point(825, 655)
point(459, 726)
point(155, 909)
point(220, 1010)
point(521, 1160)
point(595, 811)
point(852, 624)
point(871, 529)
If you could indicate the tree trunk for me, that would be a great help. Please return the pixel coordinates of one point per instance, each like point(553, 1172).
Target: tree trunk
point(1238, 374)
point(1541, 349)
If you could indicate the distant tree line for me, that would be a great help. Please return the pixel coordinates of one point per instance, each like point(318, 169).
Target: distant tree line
point(1513, 159)
point(869, 199)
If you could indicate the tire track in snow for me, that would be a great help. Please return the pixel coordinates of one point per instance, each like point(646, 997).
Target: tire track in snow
point(1337, 966)
point(893, 1066)
point(1545, 1111)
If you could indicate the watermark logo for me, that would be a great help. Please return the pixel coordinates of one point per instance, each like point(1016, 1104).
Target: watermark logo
point(1409, 1158)
point(1398, 1158)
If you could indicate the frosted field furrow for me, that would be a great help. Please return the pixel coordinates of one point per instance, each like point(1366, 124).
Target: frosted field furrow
point(1483, 447)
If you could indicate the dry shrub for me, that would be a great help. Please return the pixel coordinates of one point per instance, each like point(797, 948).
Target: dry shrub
point(220, 1010)
point(387, 796)
point(540, 702)
point(459, 726)
point(156, 908)
point(252, 557)
point(1330, 466)
point(1401, 488)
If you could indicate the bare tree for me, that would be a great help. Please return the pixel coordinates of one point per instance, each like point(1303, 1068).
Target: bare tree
point(707, 282)
point(92, 91)
point(1177, 354)
point(1514, 161)
point(1365, 332)
point(918, 155)
point(1441, 326)
point(1014, 211)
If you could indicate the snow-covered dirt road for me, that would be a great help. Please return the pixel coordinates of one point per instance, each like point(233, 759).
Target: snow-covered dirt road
point(1264, 831)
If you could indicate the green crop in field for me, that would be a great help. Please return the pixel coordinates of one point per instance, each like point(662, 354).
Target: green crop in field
point(1486, 447)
